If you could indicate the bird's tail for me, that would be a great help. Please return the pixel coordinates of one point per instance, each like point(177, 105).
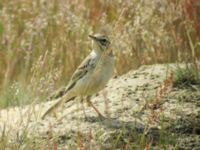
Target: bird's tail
point(58, 103)
point(59, 93)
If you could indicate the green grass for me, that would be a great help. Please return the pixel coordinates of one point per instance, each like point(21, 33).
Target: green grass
point(185, 76)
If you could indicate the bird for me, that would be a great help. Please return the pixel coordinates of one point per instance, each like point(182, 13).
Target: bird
point(90, 77)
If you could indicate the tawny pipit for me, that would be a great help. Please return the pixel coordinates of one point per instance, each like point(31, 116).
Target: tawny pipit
point(91, 76)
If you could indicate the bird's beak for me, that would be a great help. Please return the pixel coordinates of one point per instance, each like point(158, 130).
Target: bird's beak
point(93, 37)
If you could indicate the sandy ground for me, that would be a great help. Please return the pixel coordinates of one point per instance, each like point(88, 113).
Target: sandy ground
point(130, 103)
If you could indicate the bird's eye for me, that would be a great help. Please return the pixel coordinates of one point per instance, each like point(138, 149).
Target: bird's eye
point(103, 40)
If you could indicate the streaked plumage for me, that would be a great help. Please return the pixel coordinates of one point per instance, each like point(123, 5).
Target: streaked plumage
point(92, 74)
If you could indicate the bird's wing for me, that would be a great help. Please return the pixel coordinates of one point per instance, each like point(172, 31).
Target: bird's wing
point(81, 71)
point(59, 93)
point(87, 65)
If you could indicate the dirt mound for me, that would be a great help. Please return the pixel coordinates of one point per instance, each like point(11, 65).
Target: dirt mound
point(144, 111)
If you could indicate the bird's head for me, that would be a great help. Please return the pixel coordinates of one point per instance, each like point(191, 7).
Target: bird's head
point(100, 42)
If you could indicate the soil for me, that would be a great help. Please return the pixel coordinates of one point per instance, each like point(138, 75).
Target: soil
point(139, 109)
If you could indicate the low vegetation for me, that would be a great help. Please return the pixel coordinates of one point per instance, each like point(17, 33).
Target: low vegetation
point(43, 41)
point(186, 76)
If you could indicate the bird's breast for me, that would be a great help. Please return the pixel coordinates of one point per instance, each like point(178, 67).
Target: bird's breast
point(103, 73)
point(96, 79)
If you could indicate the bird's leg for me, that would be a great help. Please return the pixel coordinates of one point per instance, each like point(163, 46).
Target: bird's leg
point(83, 108)
point(55, 114)
point(91, 104)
